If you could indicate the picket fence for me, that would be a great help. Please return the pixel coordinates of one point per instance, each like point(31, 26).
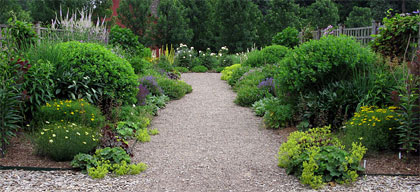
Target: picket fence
point(60, 34)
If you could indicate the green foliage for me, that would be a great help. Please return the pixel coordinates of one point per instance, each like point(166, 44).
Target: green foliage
point(132, 113)
point(259, 106)
point(174, 89)
point(100, 171)
point(228, 71)
point(153, 132)
point(134, 14)
point(22, 33)
point(132, 169)
point(158, 101)
point(39, 85)
point(207, 59)
point(237, 74)
point(84, 161)
point(199, 69)
point(10, 101)
point(172, 24)
point(165, 64)
point(255, 59)
point(185, 56)
point(236, 25)
point(75, 111)
point(91, 71)
point(139, 64)
point(374, 127)
point(283, 14)
point(409, 131)
point(398, 34)
point(62, 141)
point(274, 53)
point(322, 13)
point(13, 8)
point(114, 155)
point(126, 39)
point(316, 157)
point(277, 114)
point(314, 64)
point(200, 16)
point(182, 69)
point(251, 78)
point(359, 17)
point(289, 37)
point(142, 135)
point(247, 95)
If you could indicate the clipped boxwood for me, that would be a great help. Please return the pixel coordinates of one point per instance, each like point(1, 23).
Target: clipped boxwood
point(269, 55)
point(85, 67)
point(174, 89)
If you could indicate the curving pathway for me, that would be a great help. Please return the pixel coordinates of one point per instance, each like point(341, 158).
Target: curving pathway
point(206, 143)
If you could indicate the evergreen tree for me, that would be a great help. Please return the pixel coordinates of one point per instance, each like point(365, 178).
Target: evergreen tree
point(321, 14)
point(200, 15)
point(283, 14)
point(135, 14)
point(359, 17)
point(13, 8)
point(172, 25)
point(237, 22)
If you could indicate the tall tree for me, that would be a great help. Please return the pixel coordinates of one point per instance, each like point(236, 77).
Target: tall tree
point(13, 8)
point(237, 24)
point(359, 17)
point(172, 25)
point(135, 15)
point(321, 14)
point(200, 16)
point(283, 14)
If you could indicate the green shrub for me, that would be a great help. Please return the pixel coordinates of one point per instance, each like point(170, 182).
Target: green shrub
point(139, 64)
point(199, 69)
point(21, 33)
point(278, 115)
point(375, 128)
point(248, 95)
point(88, 70)
point(219, 69)
point(181, 69)
point(274, 53)
point(174, 89)
point(259, 106)
point(75, 111)
point(393, 39)
point(316, 157)
point(185, 57)
point(163, 63)
point(125, 38)
point(289, 37)
point(237, 74)
point(255, 59)
point(228, 71)
point(251, 78)
point(315, 64)
point(39, 85)
point(131, 113)
point(207, 59)
point(142, 135)
point(61, 141)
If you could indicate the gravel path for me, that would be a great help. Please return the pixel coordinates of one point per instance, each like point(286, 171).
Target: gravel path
point(206, 143)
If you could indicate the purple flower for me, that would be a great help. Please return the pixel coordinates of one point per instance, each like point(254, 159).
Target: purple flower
point(416, 12)
point(142, 94)
point(268, 84)
point(151, 84)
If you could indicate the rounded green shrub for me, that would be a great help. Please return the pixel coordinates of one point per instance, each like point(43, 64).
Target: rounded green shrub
point(139, 64)
point(75, 111)
point(174, 89)
point(199, 69)
point(277, 114)
point(255, 59)
point(248, 95)
point(315, 64)
point(181, 69)
point(227, 71)
point(92, 71)
point(125, 38)
point(375, 128)
point(237, 74)
point(289, 37)
point(274, 53)
point(61, 141)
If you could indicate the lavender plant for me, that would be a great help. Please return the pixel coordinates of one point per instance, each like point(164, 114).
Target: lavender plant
point(268, 84)
point(151, 84)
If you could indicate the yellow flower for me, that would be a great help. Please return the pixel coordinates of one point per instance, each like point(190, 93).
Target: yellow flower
point(51, 141)
point(72, 113)
point(360, 138)
point(373, 124)
point(352, 123)
point(390, 129)
point(86, 133)
point(92, 119)
point(58, 105)
point(42, 133)
point(82, 104)
point(84, 142)
point(58, 109)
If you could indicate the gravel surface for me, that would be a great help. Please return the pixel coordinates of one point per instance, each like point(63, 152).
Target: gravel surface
point(206, 143)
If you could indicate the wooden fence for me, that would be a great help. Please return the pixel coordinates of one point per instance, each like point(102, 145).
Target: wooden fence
point(60, 34)
point(362, 34)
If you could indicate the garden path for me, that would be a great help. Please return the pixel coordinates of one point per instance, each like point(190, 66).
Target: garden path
point(206, 143)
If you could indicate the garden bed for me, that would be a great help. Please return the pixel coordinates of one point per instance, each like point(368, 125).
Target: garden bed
point(21, 153)
point(379, 163)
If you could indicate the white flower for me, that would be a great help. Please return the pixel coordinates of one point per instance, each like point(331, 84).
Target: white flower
point(212, 54)
point(204, 54)
point(192, 47)
point(51, 141)
point(220, 54)
point(54, 135)
point(47, 122)
point(134, 105)
point(199, 51)
point(190, 55)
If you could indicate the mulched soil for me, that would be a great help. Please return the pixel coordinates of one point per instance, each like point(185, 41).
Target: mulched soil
point(21, 153)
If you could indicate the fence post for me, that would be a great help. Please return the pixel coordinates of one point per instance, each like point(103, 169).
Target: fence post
point(318, 34)
point(38, 31)
point(1, 37)
point(340, 29)
point(374, 27)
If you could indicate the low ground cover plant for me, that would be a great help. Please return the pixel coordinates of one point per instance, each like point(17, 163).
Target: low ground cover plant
point(199, 69)
point(316, 157)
